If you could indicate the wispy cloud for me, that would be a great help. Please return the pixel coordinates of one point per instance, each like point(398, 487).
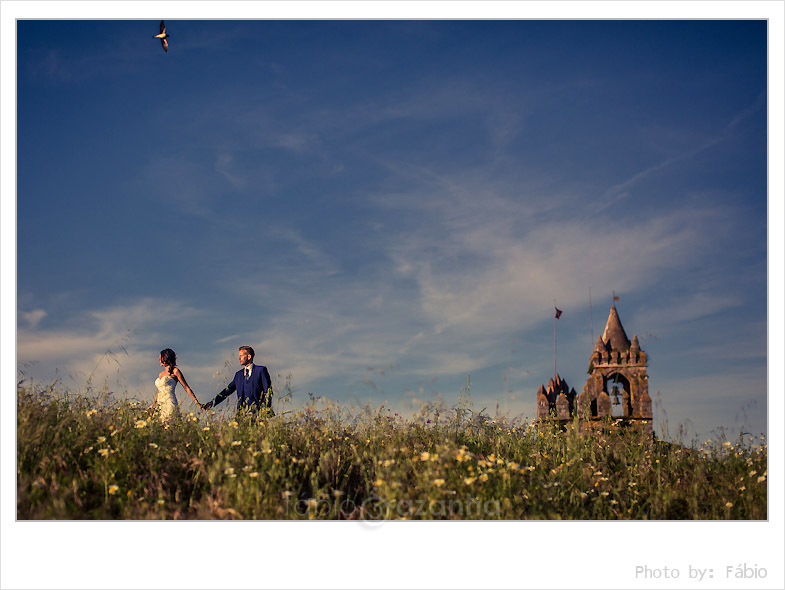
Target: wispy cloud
point(621, 190)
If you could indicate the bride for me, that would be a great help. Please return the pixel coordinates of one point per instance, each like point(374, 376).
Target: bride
point(165, 399)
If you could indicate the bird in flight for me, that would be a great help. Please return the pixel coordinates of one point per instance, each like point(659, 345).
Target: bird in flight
point(162, 36)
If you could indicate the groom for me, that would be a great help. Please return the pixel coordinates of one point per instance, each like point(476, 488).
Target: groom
point(252, 384)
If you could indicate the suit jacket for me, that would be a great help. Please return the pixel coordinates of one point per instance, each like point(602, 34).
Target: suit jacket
point(255, 392)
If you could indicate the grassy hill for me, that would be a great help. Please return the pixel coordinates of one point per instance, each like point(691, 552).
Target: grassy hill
point(82, 457)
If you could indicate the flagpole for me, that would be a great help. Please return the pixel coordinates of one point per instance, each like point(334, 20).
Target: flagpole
point(591, 319)
point(555, 314)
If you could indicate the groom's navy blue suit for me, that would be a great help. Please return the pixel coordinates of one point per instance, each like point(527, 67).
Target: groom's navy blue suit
point(254, 392)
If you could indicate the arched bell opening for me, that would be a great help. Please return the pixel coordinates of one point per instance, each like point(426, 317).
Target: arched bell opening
point(618, 389)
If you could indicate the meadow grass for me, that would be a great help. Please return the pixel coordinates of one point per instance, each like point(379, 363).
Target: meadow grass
point(83, 457)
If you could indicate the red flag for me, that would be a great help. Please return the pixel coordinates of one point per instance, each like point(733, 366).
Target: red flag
point(558, 312)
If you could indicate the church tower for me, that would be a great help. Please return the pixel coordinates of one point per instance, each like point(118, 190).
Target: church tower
point(618, 386)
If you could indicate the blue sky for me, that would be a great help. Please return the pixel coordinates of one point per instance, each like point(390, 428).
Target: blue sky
point(382, 209)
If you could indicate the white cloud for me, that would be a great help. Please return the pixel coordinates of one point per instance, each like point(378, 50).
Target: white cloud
point(33, 318)
point(119, 343)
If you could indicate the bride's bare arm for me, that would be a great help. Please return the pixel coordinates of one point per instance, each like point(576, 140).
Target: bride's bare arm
point(181, 378)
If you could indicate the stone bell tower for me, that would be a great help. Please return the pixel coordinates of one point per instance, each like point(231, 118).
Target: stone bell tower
point(618, 386)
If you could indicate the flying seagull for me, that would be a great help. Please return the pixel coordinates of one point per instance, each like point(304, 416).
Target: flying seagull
point(162, 36)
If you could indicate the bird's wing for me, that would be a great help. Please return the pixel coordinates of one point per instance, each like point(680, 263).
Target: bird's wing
point(165, 44)
point(163, 27)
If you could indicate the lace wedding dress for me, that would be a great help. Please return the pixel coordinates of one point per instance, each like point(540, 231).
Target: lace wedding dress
point(167, 401)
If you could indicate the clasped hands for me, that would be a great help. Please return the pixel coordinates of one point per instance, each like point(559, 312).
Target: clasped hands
point(206, 406)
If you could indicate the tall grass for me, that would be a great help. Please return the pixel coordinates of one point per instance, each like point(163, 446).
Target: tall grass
point(81, 457)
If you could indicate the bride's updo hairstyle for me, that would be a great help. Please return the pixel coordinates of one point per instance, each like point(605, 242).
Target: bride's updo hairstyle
point(169, 358)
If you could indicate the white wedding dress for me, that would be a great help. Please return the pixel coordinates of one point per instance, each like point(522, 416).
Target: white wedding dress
point(167, 400)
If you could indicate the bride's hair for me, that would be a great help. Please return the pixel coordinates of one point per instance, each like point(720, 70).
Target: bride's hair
point(169, 358)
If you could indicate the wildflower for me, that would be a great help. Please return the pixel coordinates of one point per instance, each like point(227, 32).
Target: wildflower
point(378, 483)
point(140, 424)
point(277, 461)
point(129, 493)
point(294, 459)
point(206, 428)
point(438, 482)
point(236, 443)
point(287, 494)
point(229, 471)
point(255, 474)
point(153, 445)
point(234, 424)
point(726, 444)
point(388, 462)
point(113, 489)
point(729, 505)
point(91, 413)
point(425, 456)
point(160, 502)
point(103, 452)
point(101, 439)
point(753, 472)
point(603, 494)
point(613, 502)
point(742, 488)
point(484, 477)
point(312, 502)
point(761, 479)
point(469, 480)
point(337, 493)
point(88, 449)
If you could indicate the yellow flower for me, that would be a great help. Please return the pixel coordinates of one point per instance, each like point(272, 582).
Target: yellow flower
point(254, 474)
point(140, 424)
point(113, 489)
point(438, 482)
point(103, 452)
point(753, 472)
point(378, 483)
point(101, 439)
point(484, 477)
point(469, 480)
point(425, 456)
point(91, 413)
point(206, 428)
point(153, 445)
point(761, 479)
point(728, 504)
point(236, 443)
point(160, 502)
